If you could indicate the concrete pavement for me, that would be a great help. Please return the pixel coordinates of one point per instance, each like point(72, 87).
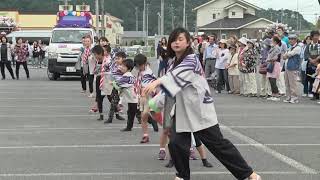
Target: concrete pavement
point(47, 133)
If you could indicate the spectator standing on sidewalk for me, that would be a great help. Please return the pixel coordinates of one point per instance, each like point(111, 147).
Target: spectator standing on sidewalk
point(35, 54)
point(274, 67)
point(306, 89)
point(210, 56)
point(233, 70)
point(5, 57)
point(21, 52)
point(292, 66)
point(312, 53)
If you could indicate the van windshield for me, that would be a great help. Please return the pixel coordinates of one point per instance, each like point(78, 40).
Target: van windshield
point(69, 36)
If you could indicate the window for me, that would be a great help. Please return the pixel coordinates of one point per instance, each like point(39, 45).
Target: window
point(245, 35)
point(223, 36)
point(214, 16)
point(233, 13)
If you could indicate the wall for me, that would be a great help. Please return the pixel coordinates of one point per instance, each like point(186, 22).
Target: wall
point(228, 33)
point(250, 10)
point(204, 14)
point(127, 41)
point(37, 22)
point(238, 10)
point(252, 33)
point(13, 14)
point(262, 24)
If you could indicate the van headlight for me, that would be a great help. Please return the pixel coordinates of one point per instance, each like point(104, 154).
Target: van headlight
point(53, 55)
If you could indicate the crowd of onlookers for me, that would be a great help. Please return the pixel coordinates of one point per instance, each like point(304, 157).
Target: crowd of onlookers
point(270, 68)
point(21, 53)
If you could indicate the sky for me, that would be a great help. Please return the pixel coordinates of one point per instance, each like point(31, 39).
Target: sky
point(307, 8)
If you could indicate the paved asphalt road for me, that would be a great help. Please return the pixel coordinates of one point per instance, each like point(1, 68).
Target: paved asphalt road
point(47, 133)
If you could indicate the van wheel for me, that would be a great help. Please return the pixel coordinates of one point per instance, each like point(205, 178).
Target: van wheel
point(52, 76)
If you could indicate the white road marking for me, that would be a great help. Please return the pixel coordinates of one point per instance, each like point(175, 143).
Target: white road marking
point(275, 127)
point(141, 173)
point(291, 162)
point(113, 126)
point(81, 146)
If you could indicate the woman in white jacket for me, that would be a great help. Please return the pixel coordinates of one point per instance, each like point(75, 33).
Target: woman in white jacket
point(221, 64)
point(5, 57)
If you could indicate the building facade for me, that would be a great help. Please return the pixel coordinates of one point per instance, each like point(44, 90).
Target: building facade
point(47, 21)
point(232, 17)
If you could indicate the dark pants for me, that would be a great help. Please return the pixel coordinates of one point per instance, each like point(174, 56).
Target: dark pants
point(25, 66)
point(99, 97)
point(222, 79)
point(7, 64)
point(304, 82)
point(84, 78)
point(132, 111)
point(162, 67)
point(221, 148)
point(114, 101)
point(273, 84)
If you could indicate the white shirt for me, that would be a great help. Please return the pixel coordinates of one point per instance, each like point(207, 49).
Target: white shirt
point(222, 59)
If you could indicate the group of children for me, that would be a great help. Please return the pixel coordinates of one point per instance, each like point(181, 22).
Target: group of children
point(132, 83)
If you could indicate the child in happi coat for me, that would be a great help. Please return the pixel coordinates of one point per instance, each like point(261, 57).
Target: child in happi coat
point(103, 60)
point(145, 77)
point(125, 86)
point(194, 111)
point(116, 75)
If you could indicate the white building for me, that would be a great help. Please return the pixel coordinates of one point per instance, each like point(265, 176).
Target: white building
point(230, 17)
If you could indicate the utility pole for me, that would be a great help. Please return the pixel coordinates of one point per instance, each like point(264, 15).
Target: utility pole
point(172, 16)
point(137, 19)
point(184, 14)
point(162, 17)
point(144, 16)
point(103, 22)
point(281, 15)
point(159, 23)
point(97, 18)
point(297, 15)
point(147, 29)
point(186, 25)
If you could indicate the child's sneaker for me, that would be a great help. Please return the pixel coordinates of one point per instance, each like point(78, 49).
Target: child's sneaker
point(93, 110)
point(310, 95)
point(288, 100)
point(193, 154)
point(304, 95)
point(162, 155)
point(91, 95)
point(145, 140)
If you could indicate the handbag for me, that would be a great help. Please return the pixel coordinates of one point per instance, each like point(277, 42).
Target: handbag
point(263, 68)
point(270, 67)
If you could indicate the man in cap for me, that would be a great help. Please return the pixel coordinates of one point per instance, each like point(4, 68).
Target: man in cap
point(292, 66)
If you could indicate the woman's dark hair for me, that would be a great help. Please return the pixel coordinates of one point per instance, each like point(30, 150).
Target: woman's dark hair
point(314, 33)
point(121, 54)
point(103, 39)
point(98, 50)
point(19, 39)
point(172, 38)
point(5, 38)
point(305, 39)
point(225, 45)
point(107, 48)
point(165, 41)
point(128, 63)
point(140, 59)
point(277, 40)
